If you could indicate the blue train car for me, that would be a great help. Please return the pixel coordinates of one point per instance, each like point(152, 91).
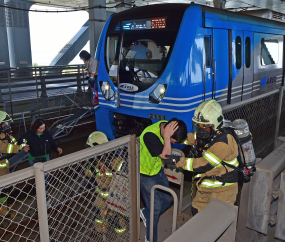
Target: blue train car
point(161, 61)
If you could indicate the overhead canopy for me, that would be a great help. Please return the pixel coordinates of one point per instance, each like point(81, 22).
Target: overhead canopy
point(274, 5)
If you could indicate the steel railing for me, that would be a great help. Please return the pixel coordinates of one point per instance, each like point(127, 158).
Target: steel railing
point(175, 208)
point(22, 85)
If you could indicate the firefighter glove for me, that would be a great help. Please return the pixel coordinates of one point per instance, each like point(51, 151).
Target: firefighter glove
point(171, 159)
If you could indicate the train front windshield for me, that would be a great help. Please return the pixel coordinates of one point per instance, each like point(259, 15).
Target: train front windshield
point(141, 57)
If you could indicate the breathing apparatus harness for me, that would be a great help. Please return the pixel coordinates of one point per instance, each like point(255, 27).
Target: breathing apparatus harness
point(206, 141)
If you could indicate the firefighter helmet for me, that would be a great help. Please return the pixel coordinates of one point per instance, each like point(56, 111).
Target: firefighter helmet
point(96, 138)
point(209, 113)
point(4, 117)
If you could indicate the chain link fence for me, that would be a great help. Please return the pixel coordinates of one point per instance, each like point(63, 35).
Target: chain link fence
point(261, 115)
point(18, 207)
point(90, 195)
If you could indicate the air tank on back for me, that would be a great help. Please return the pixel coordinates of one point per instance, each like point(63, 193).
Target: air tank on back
point(242, 130)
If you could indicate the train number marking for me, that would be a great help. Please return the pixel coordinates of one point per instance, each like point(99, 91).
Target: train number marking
point(157, 116)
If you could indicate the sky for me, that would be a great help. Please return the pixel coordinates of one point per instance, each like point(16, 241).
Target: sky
point(51, 31)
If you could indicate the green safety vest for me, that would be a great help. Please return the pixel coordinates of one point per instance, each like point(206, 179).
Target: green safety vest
point(150, 165)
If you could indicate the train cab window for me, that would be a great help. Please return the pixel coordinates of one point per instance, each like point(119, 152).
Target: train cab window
point(247, 52)
point(207, 48)
point(238, 52)
point(269, 51)
point(142, 57)
point(111, 56)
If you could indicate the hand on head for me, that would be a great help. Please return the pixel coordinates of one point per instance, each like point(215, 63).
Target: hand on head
point(170, 129)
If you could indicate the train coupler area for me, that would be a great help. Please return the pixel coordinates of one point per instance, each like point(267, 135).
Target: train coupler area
point(126, 124)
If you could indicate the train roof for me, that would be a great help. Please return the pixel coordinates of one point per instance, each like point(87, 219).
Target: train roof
point(178, 9)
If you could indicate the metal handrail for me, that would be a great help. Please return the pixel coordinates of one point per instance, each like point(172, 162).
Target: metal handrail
point(175, 207)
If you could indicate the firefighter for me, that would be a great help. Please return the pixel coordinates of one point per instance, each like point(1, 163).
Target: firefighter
point(101, 173)
point(104, 174)
point(8, 145)
point(216, 150)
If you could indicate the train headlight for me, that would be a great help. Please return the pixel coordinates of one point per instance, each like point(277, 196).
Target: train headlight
point(157, 94)
point(107, 91)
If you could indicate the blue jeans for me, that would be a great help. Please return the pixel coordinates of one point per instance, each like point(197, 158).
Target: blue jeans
point(46, 177)
point(162, 199)
point(93, 84)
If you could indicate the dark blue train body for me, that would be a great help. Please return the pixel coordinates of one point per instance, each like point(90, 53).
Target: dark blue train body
point(198, 53)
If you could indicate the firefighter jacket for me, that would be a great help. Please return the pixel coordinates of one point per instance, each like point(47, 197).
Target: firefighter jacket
point(209, 167)
point(7, 147)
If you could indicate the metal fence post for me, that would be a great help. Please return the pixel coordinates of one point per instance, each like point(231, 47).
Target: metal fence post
point(83, 80)
point(9, 81)
point(41, 201)
point(278, 116)
point(134, 178)
point(43, 84)
point(78, 80)
point(175, 207)
point(1, 98)
point(37, 89)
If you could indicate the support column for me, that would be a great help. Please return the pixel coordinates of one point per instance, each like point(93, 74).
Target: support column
point(97, 20)
point(18, 33)
point(4, 53)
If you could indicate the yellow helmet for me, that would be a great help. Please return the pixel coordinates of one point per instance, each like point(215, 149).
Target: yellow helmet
point(209, 113)
point(96, 137)
point(4, 117)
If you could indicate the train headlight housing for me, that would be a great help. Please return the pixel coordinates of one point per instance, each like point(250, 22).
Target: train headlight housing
point(157, 94)
point(107, 91)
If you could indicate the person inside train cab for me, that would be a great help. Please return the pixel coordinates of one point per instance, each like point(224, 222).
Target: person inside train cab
point(215, 161)
point(155, 143)
point(8, 145)
point(92, 72)
point(143, 53)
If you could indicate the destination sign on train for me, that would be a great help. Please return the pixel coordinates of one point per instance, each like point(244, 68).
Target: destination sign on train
point(154, 23)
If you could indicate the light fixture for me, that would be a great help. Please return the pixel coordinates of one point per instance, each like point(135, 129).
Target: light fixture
point(107, 91)
point(157, 94)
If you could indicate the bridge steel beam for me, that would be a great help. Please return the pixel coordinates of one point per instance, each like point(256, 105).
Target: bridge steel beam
point(4, 53)
point(72, 48)
point(97, 20)
point(18, 34)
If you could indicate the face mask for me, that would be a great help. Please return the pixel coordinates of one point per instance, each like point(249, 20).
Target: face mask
point(5, 127)
point(202, 133)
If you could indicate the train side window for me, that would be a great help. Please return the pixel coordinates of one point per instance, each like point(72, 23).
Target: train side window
point(247, 52)
point(238, 52)
point(269, 51)
point(207, 47)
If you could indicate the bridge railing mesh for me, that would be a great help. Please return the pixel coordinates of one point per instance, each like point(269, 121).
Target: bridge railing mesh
point(261, 115)
point(84, 196)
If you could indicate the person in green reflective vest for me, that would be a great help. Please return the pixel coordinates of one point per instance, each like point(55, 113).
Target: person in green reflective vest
point(155, 144)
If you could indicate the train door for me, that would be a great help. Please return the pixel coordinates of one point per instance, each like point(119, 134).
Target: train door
point(236, 81)
point(208, 78)
point(220, 65)
point(248, 67)
point(240, 87)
